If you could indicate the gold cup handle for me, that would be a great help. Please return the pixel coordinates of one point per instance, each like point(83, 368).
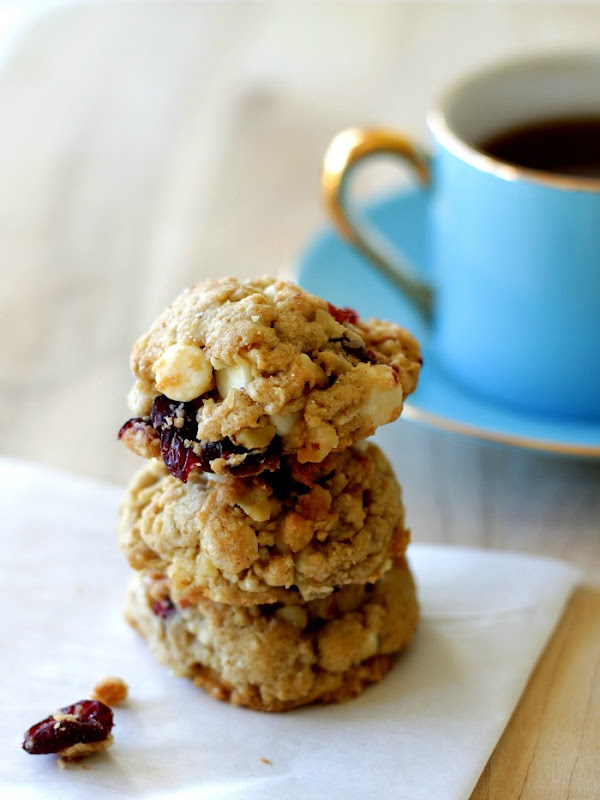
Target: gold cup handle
point(348, 149)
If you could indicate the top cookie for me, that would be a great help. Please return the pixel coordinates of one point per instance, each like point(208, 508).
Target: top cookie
point(233, 373)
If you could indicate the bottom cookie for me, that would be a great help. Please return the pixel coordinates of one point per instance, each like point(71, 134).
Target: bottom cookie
point(276, 657)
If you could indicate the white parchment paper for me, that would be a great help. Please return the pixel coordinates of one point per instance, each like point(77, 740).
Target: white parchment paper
point(426, 731)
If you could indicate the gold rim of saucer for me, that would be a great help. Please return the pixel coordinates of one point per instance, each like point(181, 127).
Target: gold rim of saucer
point(416, 414)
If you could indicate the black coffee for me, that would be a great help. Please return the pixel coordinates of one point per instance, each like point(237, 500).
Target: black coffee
point(568, 146)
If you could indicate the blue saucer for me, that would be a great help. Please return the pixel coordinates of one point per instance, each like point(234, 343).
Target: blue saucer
point(332, 269)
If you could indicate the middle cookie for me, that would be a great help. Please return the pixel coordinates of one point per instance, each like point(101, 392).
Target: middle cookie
point(287, 536)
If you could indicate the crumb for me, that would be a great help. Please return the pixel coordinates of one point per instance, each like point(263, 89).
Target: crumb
point(82, 750)
point(111, 690)
point(266, 761)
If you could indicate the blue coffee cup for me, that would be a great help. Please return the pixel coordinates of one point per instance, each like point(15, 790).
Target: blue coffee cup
point(514, 307)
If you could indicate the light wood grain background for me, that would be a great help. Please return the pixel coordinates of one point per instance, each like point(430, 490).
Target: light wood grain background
point(145, 146)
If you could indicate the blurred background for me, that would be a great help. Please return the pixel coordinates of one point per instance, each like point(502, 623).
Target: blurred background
point(145, 146)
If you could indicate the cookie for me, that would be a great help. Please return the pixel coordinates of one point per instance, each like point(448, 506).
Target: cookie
point(286, 536)
point(235, 373)
point(276, 657)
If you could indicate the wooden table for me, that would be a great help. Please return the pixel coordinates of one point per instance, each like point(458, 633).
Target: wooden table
point(143, 148)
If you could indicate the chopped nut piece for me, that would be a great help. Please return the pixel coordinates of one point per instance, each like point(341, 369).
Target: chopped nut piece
point(294, 615)
point(237, 376)
point(111, 690)
point(256, 438)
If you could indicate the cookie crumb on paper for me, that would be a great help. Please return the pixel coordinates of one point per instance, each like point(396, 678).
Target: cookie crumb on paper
point(111, 690)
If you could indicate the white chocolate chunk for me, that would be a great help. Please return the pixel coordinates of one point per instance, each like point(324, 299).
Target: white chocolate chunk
point(139, 401)
point(234, 377)
point(320, 441)
point(183, 373)
point(362, 446)
point(330, 325)
point(369, 645)
point(294, 615)
point(255, 438)
point(212, 478)
point(255, 503)
point(284, 422)
point(383, 406)
point(308, 365)
point(204, 635)
point(269, 291)
point(205, 568)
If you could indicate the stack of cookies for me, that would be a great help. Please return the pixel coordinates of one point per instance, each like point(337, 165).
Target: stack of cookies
point(267, 537)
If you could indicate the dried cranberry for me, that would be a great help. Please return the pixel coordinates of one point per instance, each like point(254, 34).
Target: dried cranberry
point(284, 483)
point(163, 608)
point(81, 723)
point(166, 411)
point(311, 473)
point(359, 352)
point(176, 442)
point(257, 461)
point(221, 449)
point(178, 458)
point(136, 424)
point(343, 315)
point(396, 372)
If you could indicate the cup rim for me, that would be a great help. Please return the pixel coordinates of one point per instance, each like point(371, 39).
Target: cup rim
point(443, 132)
